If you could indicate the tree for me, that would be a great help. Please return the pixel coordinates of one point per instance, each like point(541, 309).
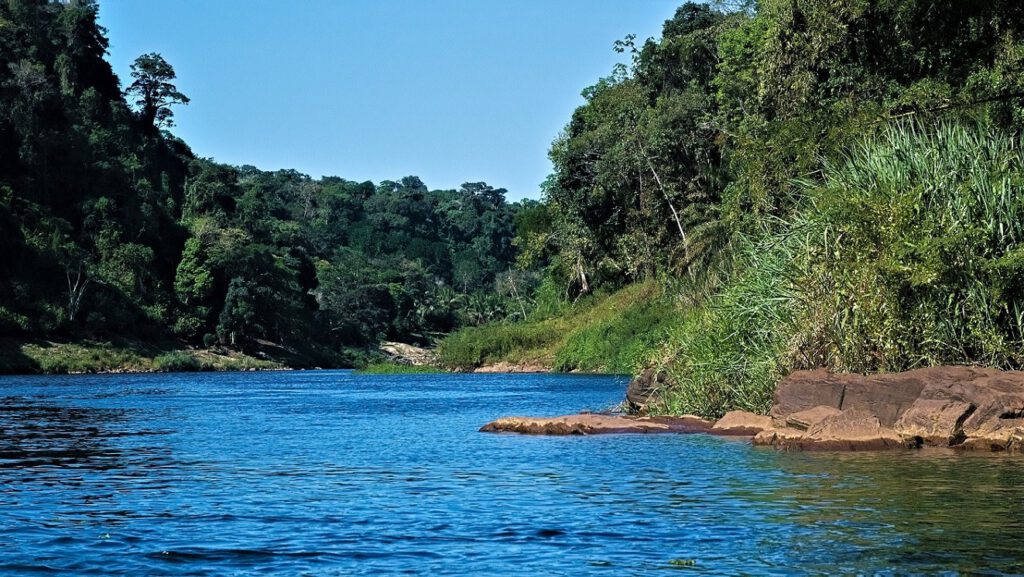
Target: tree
point(153, 90)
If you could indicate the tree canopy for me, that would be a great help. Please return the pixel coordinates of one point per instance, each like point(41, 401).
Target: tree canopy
point(154, 94)
point(112, 226)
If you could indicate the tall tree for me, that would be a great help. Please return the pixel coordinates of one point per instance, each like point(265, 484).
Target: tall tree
point(154, 91)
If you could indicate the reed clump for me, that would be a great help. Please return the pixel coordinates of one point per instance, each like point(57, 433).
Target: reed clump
point(906, 252)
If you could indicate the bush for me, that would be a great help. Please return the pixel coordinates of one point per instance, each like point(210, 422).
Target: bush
point(13, 323)
point(918, 256)
point(475, 346)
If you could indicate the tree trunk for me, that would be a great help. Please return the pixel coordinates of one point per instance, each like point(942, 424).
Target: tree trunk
point(78, 281)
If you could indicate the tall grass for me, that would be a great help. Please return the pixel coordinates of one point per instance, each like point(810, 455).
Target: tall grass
point(729, 352)
point(906, 253)
point(473, 347)
point(918, 259)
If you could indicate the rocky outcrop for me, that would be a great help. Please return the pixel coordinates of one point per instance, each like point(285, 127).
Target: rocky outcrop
point(849, 430)
point(936, 422)
point(741, 424)
point(805, 390)
point(596, 424)
point(804, 420)
point(885, 395)
point(506, 367)
point(406, 354)
point(962, 407)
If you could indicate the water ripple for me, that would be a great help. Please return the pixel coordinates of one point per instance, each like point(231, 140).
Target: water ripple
point(330, 473)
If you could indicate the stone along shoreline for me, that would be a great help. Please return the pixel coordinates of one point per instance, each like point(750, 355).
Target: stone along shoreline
point(967, 408)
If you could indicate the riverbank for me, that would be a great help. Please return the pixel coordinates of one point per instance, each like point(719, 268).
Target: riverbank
point(135, 356)
point(609, 333)
point(958, 407)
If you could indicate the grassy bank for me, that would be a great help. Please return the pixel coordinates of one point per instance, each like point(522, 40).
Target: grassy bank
point(120, 356)
point(602, 333)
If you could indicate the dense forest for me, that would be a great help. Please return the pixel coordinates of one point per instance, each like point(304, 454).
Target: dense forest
point(807, 183)
point(770, 185)
point(112, 228)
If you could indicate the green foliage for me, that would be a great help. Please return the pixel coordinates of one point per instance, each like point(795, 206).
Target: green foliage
point(728, 352)
point(155, 94)
point(786, 184)
point(819, 183)
point(619, 340)
point(84, 357)
point(928, 270)
point(109, 225)
point(177, 362)
point(472, 347)
point(906, 254)
point(598, 334)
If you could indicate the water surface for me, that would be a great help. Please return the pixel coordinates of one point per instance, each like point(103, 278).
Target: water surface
point(332, 473)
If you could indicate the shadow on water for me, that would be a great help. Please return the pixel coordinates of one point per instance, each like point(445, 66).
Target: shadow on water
point(34, 434)
point(927, 511)
point(13, 360)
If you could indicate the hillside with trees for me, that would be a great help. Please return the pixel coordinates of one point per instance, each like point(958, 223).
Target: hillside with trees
point(808, 183)
point(113, 230)
point(769, 186)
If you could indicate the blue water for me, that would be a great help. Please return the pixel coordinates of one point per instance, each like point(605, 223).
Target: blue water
point(331, 473)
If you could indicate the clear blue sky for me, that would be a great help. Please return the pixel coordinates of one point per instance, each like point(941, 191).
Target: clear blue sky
point(449, 90)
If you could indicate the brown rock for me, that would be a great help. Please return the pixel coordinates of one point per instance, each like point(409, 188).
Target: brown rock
point(804, 390)
point(806, 419)
point(998, 398)
point(937, 422)
point(1010, 440)
point(741, 423)
point(885, 396)
point(998, 402)
point(856, 424)
point(595, 424)
point(777, 437)
point(506, 367)
point(852, 430)
point(953, 405)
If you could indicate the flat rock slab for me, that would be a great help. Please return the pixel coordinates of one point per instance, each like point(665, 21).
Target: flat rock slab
point(850, 430)
point(808, 418)
point(741, 424)
point(952, 406)
point(936, 422)
point(504, 367)
point(597, 424)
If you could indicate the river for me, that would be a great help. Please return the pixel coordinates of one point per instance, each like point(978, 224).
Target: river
point(334, 473)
